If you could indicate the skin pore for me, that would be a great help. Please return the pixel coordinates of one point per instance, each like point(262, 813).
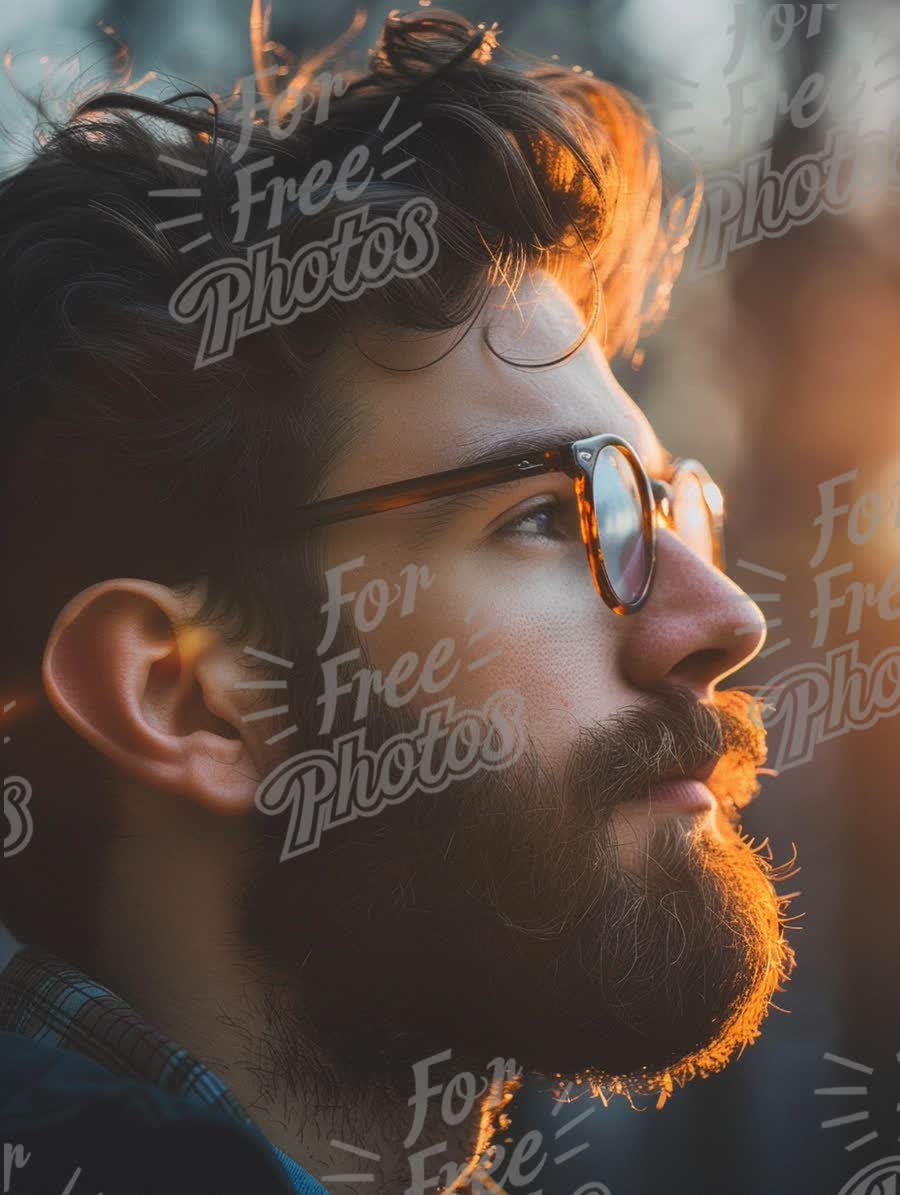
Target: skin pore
point(506, 564)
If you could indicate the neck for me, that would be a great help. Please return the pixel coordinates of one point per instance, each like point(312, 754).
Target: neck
point(330, 1120)
point(171, 955)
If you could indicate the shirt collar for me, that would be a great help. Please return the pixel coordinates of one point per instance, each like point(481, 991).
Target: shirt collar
point(49, 1001)
point(52, 1002)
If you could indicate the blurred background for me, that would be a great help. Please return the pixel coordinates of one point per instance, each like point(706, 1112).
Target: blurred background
point(779, 367)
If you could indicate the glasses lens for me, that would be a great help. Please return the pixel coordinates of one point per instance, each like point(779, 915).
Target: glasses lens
point(620, 524)
point(693, 500)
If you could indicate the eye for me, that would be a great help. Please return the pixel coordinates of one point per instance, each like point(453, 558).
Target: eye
point(545, 519)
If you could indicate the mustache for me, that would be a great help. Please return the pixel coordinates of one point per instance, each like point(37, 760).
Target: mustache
point(670, 733)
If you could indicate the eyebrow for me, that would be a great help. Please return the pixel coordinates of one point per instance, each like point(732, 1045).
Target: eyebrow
point(510, 454)
point(432, 516)
point(488, 447)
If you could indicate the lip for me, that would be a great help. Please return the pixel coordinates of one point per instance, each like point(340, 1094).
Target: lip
point(685, 794)
point(701, 772)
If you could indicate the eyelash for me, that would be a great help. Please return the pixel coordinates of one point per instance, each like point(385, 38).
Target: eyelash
point(548, 506)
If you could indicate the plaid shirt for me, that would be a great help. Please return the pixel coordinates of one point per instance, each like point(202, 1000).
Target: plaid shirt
point(48, 1001)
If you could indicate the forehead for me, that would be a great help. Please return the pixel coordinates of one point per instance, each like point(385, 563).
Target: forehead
point(422, 414)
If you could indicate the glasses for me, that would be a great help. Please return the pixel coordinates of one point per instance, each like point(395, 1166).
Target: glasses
point(619, 508)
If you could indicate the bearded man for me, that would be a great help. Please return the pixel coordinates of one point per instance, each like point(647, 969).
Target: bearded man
point(368, 643)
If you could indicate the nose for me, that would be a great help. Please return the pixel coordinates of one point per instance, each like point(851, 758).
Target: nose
point(696, 628)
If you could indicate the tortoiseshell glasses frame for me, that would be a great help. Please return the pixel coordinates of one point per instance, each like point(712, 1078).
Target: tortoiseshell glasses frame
point(659, 503)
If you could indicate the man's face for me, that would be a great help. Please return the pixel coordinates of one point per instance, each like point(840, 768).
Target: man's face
point(564, 909)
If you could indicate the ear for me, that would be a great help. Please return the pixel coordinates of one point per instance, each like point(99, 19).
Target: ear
point(153, 692)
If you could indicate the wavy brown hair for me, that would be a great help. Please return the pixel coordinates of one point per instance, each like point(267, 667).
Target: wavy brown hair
point(121, 459)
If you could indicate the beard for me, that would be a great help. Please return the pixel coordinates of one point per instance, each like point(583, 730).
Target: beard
point(497, 918)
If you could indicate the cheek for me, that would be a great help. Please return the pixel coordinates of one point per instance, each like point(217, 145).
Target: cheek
point(552, 641)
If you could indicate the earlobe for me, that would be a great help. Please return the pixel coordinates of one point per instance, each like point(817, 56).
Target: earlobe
point(153, 696)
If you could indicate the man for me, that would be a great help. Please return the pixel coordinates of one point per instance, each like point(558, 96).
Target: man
point(367, 644)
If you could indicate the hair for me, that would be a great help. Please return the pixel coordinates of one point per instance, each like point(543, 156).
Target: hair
point(122, 459)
